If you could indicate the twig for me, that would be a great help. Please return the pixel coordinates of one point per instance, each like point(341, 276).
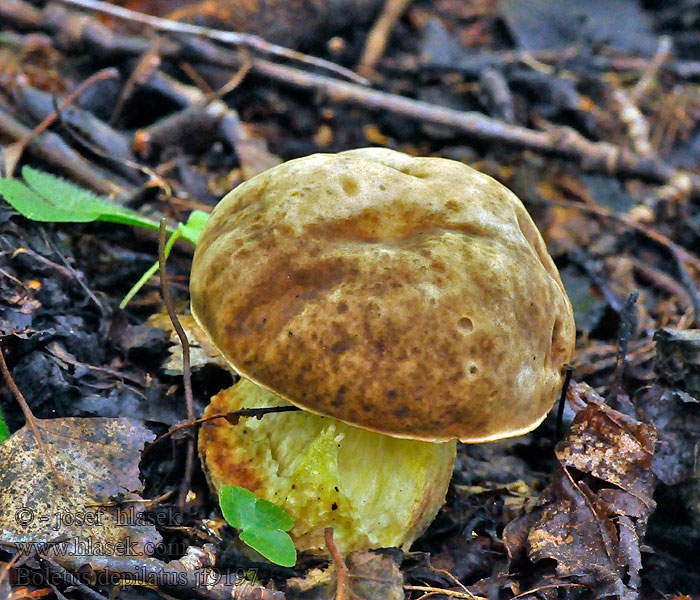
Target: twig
point(232, 417)
point(187, 375)
point(95, 134)
point(7, 566)
point(680, 255)
point(379, 34)
point(433, 591)
point(71, 580)
point(499, 97)
point(343, 590)
point(233, 38)
point(635, 122)
point(562, 401)
point(76, 275)
point(456, 581)
point(659, 238)
point(21, 144)
point(652, 69)
point(564, 141)
point(31, 419)
point(145, 67)
point(547, 587)
point(50, 148)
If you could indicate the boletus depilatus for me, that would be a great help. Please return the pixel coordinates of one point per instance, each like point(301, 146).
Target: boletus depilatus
point(403, 304)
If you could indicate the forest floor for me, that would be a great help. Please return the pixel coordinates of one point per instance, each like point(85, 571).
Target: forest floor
point(590, 114)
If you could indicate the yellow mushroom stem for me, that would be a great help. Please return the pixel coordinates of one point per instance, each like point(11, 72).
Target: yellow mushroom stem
point(374, 490)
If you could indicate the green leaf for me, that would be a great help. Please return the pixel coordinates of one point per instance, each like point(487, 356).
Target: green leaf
point(273, 544)
point(51, 199)
point(4, 431)
point(29, 204)
point(271, 516)
point(194, 226)
point(238, 506)
point(262, 524)
point(78, 204)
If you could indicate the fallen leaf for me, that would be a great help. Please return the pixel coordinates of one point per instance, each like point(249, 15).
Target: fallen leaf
point(672, 404)
point(593, 514)
point(97, 460)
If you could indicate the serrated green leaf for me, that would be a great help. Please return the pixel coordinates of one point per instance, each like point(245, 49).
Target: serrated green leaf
point(78, 204)
point(273, 544)
point(32, 206)
point(50, 199)
point(238, 506)
point(271, 516)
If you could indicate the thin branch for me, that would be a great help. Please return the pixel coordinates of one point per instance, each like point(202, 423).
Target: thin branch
point(547, 587)
point(53, 150)
point(559, 140)
point(76, 275)
point(187, 375)
point(343, 591)
point(379, 34)
point(71, 580)
point(31, 419)
point(433, 591)
point(232, 38)
point(22, 143)
point(680, 255)
point(232, 417)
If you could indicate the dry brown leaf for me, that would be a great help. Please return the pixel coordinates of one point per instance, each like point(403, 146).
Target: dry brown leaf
point(593, 514)
point(97, 460)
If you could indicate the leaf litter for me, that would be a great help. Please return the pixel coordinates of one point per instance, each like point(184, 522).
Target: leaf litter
point(606, 493)
point(97, 461)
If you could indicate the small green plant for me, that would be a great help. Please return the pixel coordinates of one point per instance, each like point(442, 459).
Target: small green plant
point(50, 199)
point(263, 525)
point(4, 431)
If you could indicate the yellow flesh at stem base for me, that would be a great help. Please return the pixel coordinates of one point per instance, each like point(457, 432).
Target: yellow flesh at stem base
point(374, 490)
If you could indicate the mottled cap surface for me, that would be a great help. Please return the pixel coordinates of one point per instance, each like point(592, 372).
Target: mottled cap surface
point(408, 296)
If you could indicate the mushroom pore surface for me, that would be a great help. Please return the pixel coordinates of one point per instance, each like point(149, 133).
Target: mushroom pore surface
point(408, 296)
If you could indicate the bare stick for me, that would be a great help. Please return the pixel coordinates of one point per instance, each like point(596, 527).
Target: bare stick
point(378, 36)
point(231, 417)
point(680, 255)
point(187, 375)
point(563, 141)
point(52, 149)
point(31, 419)
point(21, 144)
point(233, 38)
point(343, 591)
point(433, 591)
point(651, 70)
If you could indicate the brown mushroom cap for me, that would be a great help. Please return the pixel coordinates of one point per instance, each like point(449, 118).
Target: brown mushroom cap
point(409, 296)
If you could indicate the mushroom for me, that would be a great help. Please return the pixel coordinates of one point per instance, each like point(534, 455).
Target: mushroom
point(403, 303)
